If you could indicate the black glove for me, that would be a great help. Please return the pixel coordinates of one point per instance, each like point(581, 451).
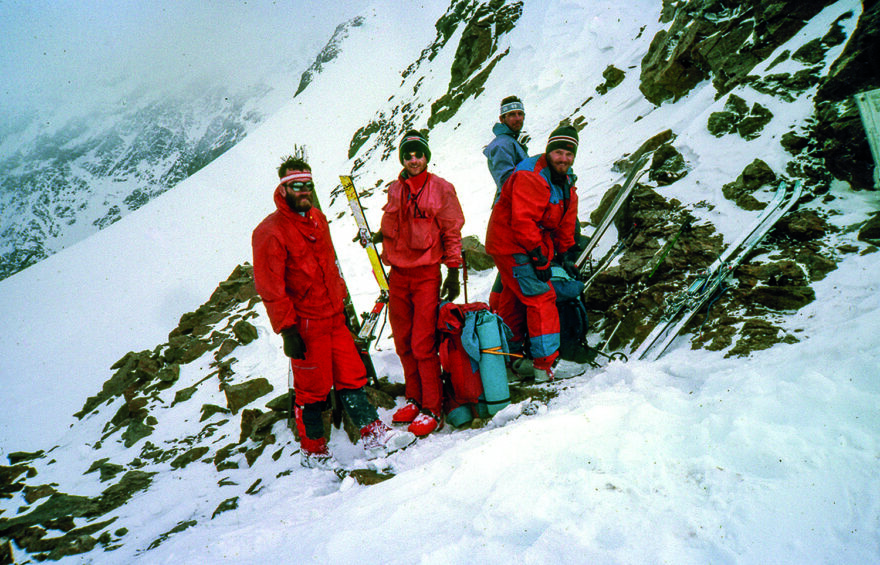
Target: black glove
point(568, 261)
point(540, 263)
point(294, 346)
point(451, 287)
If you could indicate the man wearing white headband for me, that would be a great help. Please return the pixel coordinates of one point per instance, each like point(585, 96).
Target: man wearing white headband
point(534, 221)
point(502, 155)
point(509, 146)
point(296, 274)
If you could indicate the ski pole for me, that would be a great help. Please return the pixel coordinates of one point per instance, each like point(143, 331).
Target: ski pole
point(464, 275)
point(290, 395)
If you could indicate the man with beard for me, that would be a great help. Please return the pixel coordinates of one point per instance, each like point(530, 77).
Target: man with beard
point(296, 274)
point(534, 221)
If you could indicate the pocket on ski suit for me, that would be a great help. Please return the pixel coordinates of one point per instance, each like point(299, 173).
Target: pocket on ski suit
point(524, 273)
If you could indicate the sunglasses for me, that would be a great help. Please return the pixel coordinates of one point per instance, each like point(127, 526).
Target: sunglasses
point(300, 186)
point(413, 155)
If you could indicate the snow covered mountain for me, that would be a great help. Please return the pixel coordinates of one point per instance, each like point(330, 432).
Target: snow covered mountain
point(699, 457)
point(71, 169)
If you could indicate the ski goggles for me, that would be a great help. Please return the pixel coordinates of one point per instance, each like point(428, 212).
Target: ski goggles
point(413, 155)
point(300, 181)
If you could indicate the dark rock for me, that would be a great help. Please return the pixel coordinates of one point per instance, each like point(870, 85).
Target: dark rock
point(379, 397)
point(475, 254)
point(668, 165)
point(802, 225)
point(17, 457)
point(751, 125)
point(793, 142)
point(240, 395)
point(181, 526)
point(753, 177)
point(227, 347)
point(135, 432)
point(184, 394)
point(225, 506)
point(708, 40)
point(169, 373)
point(209, 410)
point(838, 136)
point(251, 455)
point(281, 403)
point(782, 297)
point(245, 332)
point(613, 77)
point(9, 477)
point(477, 51)
point(6, 556)
point(811, 52)
point(756, 335)
point(817, 266)
point(33, 494)
point(870, 230)
point(369, 476)
point(188, 457)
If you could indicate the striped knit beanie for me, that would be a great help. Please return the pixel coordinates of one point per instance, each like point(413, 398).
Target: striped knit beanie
point(563, 137)
point(413, 141)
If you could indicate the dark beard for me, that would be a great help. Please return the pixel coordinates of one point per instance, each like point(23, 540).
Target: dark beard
point(293, 204)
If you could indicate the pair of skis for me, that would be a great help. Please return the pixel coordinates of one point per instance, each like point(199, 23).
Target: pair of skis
point(368, 327)
point(681, 308)
point(582, 263)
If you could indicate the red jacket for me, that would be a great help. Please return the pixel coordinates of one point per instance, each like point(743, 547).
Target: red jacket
point(533, 212)
point(421, 224)
point(295, 268)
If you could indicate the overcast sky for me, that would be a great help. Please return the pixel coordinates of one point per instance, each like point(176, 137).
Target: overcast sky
point(61, 50)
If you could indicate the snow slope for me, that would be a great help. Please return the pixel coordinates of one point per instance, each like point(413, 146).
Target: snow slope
point(691, 459)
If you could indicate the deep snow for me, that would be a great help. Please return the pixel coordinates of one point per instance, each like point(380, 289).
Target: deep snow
point(693, 458)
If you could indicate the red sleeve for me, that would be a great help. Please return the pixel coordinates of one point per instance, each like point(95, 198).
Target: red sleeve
point(269, 271)
point(565, 234)
point(529, 199)
point(450, 219)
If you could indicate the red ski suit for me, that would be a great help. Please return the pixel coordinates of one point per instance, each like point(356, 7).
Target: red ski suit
point(421, 228)
point(532, 212)
point(296, 274)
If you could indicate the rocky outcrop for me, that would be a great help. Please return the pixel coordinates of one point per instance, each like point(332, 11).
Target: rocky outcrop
point(665, 246)
point(476, 55)
point(328, 53)
point(718, 41)
point(838, 137)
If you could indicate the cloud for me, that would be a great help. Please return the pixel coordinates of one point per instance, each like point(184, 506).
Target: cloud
point(85, 51)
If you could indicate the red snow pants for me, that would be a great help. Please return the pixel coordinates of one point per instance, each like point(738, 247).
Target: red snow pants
point(527, 304)
point(331, 360)
point(413, 304)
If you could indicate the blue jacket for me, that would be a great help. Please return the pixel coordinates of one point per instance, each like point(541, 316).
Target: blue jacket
point(502, 155)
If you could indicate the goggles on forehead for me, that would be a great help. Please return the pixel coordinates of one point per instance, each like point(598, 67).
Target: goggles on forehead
point(413, 155)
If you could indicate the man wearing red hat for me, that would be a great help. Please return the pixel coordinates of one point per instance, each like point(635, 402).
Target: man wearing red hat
point(534, 221)
point(296, 274)
point(421, 229)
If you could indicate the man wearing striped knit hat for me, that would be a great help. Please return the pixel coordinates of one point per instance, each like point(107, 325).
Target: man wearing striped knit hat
point(533, 222)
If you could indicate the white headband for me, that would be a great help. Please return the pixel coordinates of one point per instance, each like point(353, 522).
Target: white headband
point(512, 106)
